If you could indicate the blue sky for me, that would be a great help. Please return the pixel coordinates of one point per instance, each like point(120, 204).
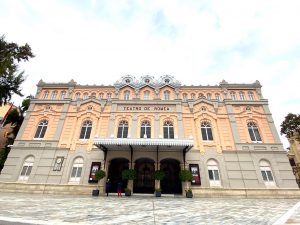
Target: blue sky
point(198, 42)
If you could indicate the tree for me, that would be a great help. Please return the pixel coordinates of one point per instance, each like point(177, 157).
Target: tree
point(15, 118)
point(10, 80)
point(291, 126)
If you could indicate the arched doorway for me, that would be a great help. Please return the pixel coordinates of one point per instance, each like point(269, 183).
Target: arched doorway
point(171, 183)
point(115, 169)
point(144, 182)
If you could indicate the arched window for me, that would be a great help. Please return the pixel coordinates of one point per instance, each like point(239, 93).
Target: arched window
point(242, 96)
point(101, 95)
point(206, 131)
point(185, 97)
point(77, 96)
point(208, 96)
point(85, 95)
point(123, 129)
point(200, 95)
point(193, 96)
point(126, 95)
point(232, 94)
point(213, 173)
point(250, 95)
point(54, 95)
point(26, 169)
point(76, 170)
point(266, 173)
point(168, 130)
point(86, 129)
point(254, 132)
point(46, 93)
point(166, 95)
point(218, 97)
point(146, 129)
point(108, 96)
point(93, 95)
point(62, 95)
point(146, 95)
point(41, 129)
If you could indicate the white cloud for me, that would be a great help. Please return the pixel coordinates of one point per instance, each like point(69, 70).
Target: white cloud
point(199, 42)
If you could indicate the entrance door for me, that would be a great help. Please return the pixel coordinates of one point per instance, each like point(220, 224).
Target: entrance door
point(144, 182)
point(116, 167)
point(171, 183)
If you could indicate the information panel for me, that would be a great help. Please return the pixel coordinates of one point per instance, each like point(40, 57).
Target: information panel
point(94, 167)
point(194, 168)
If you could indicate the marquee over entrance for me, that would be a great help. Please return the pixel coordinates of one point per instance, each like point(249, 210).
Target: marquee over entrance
point(131, 144)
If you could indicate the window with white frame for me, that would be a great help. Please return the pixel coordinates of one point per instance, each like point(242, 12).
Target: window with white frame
point(146, 129)
point(168, 130)
point(86, 129)
point(250, 95)
point(185, 97)
point(93, 95)
point(266, 173)
point(26, 169)
point(193, 96)
point(253, 132)
point(200, 95)
point(217, 96)
point(146, 95)
point(85, 95)
point(166, 95)
point(206, 131)
point(208, 96)
point(123, 129)
point(41, 129)
point(242, 96)
point(232, 94)
point(46, 93)
point(77, 96)
point(108, 96)
point(54, 95)
point(101, 95)
point(62, 95)
point(213, 173)
point(126, 95)
point(76, 170)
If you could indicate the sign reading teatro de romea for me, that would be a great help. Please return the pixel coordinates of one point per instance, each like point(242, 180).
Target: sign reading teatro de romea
point(146, 108)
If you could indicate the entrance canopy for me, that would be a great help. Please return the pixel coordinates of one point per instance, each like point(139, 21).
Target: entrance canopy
point(144, 144)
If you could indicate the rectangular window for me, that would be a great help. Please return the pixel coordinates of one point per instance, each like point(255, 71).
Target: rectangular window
point(203, 132)
point(210, 174)
point(74, 170)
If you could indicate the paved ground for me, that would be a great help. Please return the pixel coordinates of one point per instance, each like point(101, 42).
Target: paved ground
point(17, 209)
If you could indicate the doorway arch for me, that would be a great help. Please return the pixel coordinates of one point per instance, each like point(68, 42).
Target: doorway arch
point(144, 182)
point(171, 183)
point(116, 166)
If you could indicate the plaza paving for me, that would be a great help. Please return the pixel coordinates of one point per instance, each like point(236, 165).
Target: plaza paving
point(20, 209)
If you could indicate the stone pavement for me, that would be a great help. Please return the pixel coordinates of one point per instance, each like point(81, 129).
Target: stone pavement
point(66, 210)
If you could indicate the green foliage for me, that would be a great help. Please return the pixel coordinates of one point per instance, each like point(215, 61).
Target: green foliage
point(185, 175)
point(291, 126)
point(100, 174)
point(10, 80)
point(159, 175)
point(16, 116)
point(128, 174)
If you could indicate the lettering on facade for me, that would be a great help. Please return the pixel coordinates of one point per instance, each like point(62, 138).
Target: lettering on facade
point(146, 108)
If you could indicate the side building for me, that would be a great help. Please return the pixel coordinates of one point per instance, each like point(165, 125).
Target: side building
point(224, 134)
point(294, 156)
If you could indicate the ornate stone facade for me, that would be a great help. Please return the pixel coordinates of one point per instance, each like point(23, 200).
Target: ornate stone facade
point(224, 134)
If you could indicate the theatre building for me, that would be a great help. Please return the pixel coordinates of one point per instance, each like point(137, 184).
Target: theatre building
point(223, 133)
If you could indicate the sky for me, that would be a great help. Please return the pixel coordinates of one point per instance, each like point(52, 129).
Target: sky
point(199, 42)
